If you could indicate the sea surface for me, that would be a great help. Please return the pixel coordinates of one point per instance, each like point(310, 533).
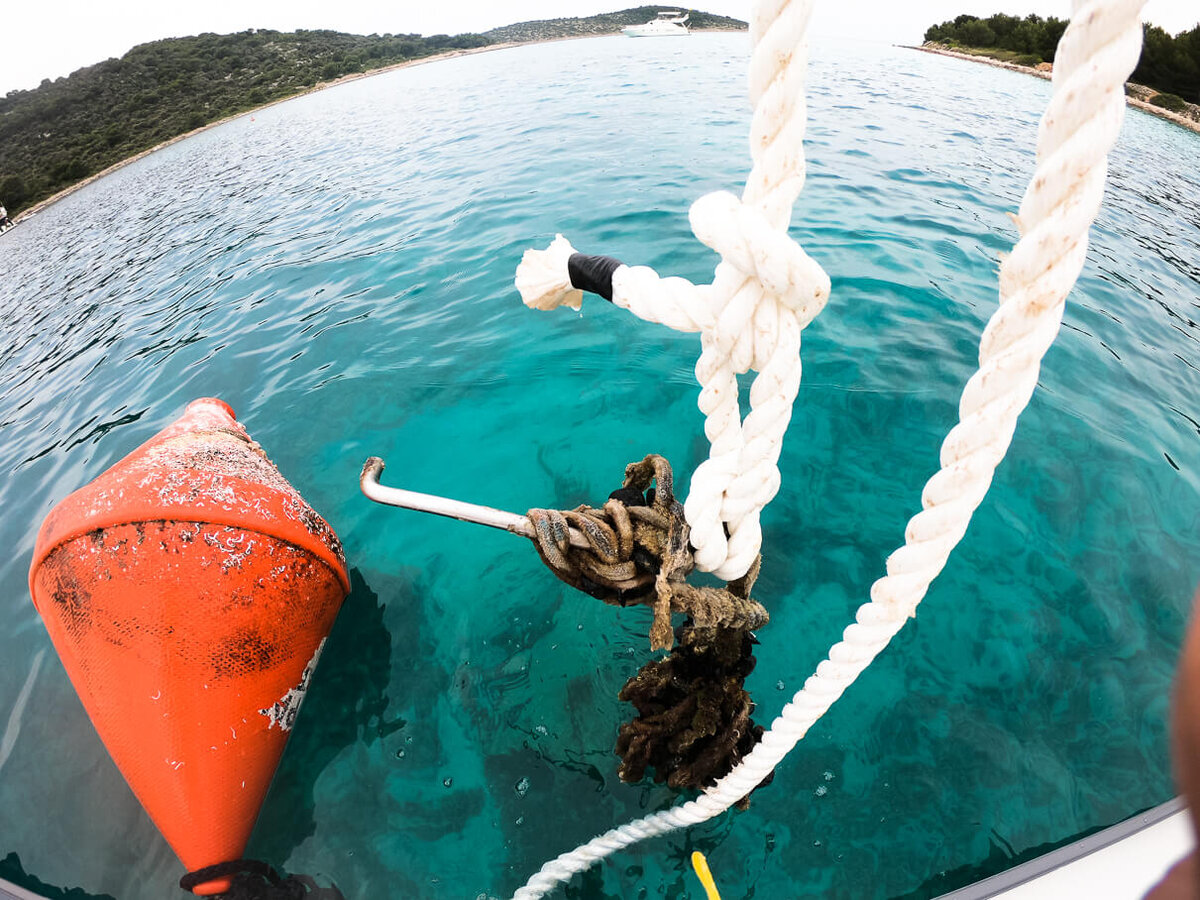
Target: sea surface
point(339, 269)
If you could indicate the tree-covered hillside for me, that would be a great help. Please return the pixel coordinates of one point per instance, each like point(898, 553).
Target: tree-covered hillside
point(65, 130)
point(1169, 64)
point(73, 127)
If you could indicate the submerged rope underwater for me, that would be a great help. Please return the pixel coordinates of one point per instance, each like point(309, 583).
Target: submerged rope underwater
point(766, 290)
point(693, 721)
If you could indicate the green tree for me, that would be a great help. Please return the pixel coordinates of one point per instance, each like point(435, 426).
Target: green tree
point(977, 34)
point(13, 191)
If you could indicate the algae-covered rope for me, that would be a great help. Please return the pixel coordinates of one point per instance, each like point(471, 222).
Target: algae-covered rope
point(693, 722)
point(1096, 54)
point(638, 552)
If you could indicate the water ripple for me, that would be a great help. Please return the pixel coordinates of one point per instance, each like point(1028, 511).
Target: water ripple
point(339, 268)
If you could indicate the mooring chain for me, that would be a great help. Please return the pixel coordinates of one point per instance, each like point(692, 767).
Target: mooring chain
point(1098, 51)
point(638, 553)
point(765, 290)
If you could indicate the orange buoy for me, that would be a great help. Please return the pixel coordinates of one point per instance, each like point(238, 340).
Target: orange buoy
point(188, 591)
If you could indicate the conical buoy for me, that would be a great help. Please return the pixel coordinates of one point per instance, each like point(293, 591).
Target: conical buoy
point(188, 591)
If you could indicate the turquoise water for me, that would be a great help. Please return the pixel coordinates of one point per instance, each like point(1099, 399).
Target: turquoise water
point(339, 268)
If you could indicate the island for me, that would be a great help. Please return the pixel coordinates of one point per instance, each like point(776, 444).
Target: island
point(70, 131)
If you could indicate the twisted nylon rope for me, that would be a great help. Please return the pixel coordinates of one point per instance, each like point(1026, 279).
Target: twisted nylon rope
point(1096, 55)
point(764, 292)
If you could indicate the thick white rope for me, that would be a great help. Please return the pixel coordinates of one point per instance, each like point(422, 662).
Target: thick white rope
point(1096, 54)
point(764, 292)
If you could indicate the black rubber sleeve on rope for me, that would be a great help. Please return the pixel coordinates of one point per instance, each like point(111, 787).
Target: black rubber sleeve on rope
point(593, 273)
point(254, 880)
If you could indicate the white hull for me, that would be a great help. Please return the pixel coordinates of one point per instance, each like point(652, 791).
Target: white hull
point(666, 25)
point(656, 31)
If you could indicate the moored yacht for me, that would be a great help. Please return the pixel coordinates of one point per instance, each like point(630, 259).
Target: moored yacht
point(668, 23)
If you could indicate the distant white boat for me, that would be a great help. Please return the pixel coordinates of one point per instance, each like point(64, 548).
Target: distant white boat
point(668, 24)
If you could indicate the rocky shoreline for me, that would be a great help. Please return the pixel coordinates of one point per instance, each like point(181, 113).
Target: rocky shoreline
point(1136, 95)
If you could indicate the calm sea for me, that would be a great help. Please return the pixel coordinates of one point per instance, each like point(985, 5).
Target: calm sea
point(339, 269)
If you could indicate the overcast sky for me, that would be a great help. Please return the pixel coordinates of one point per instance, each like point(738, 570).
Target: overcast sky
point(50, 38)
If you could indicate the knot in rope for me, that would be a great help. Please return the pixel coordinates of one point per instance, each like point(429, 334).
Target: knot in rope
point(635, 550)
point(760, 251)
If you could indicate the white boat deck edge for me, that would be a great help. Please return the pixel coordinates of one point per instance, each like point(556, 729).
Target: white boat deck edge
point(9, 891)
point(1119, 863)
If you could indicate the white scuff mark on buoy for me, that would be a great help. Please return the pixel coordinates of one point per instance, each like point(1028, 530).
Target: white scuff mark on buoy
point(284, 712)
point(157, 695)
point(234, 545)
point(13, 728)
